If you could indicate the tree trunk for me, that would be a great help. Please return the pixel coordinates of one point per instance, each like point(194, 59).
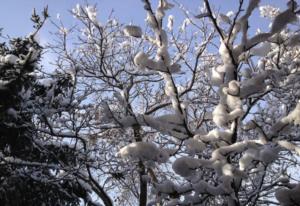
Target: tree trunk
point(141, 169)
point(143, 185)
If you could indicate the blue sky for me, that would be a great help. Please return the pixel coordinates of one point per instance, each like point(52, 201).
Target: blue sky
point(15, 14)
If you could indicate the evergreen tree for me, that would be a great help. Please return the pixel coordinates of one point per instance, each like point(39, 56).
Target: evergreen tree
point(30, 167)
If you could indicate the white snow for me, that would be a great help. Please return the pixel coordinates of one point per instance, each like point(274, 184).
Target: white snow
point(249, 155)
point(3, 83)
point(151, 20)
point(167, 187)
point(216, 135)
point(261, 49)
point(294, 116)
point(220, 116)
point(222, 18)
point(134, 31)
point(282, 19)
point(170, 22)
point(147, 151)
point(254, 85)
point(233, 102)
point(170, 118)
point(268, 11)
point(91, 12)
point(294, 40)
point(216, 77)
point(9, 59)
point(194, 146)
point(268, 154)
point(76, 11)
point(165, 5)
point(185, 23)
point(185, 166)
point(288, 197)
point(141, 59)
point(12, 112)
point(47, 82)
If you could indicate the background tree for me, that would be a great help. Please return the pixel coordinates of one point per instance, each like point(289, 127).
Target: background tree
point(35, 168)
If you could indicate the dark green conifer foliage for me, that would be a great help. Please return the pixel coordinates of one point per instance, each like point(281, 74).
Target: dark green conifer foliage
point(28, 170)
